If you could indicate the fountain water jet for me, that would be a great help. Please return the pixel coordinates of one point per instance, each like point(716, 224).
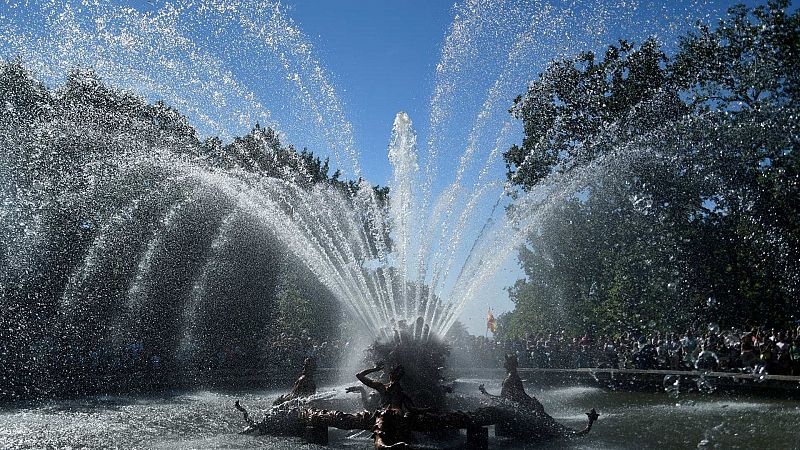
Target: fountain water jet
point(424, 254)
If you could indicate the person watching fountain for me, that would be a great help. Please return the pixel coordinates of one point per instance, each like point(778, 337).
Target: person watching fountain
point(707, 360)
point(794, 356)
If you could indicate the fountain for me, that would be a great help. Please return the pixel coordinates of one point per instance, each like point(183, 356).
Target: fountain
point(413, 400)
point(126, 226)
point(441, 248)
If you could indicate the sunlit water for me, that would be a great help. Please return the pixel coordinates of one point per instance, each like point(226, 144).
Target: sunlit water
point(449, 237)
point(207, 420)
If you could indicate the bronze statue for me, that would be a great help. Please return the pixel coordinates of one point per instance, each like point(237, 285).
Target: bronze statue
point(393, 416)
point(391, 429)
point(423, 360)
point(391, 393)
point(370, 400)
point(305, 384)
point(514, 391)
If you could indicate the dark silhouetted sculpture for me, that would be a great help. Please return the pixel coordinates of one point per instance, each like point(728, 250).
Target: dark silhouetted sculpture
point(369, 399)
point(391, 428)
point(305, 384)
point(546, 427)
point(393, 415)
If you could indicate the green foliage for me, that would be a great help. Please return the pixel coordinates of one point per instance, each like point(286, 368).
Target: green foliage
point(295, 312)
point(748, 62)
point(693, 216)
point(87, 184)
point(457, 333)
point(574, 100)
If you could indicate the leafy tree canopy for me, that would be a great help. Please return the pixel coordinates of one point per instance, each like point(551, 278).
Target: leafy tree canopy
point(692, 211)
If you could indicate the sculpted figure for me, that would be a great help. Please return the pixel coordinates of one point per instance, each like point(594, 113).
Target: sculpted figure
point(391, 430)
point(369, 399)
point(544, 426)
point(513, 389)
point(304, 386)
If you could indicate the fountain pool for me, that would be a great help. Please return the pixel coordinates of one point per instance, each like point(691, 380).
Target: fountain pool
point(206, 419)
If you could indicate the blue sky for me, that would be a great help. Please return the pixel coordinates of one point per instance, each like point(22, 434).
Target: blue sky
point(381, 56)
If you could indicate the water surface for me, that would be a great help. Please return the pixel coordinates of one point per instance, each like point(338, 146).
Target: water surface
point(205, 419)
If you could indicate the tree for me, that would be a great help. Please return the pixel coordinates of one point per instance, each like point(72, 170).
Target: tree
point(691, 210)
point(117, 230)
point(579, 108)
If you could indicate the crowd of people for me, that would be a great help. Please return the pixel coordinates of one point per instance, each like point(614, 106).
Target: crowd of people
point(772, 351)
point(289, 351)
point(758, 350)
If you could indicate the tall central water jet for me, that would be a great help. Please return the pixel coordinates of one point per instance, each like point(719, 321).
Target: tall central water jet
point(402, 155)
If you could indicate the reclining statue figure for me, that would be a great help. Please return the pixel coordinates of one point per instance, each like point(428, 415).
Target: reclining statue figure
point(304, 386)
point(531, 410)
point(369, 400)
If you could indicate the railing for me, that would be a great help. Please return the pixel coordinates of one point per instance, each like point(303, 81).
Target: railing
point(626, 379)
point(591, 371)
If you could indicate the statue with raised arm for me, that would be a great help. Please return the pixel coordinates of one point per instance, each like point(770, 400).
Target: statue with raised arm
point(545, 426)
point(391, 429)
